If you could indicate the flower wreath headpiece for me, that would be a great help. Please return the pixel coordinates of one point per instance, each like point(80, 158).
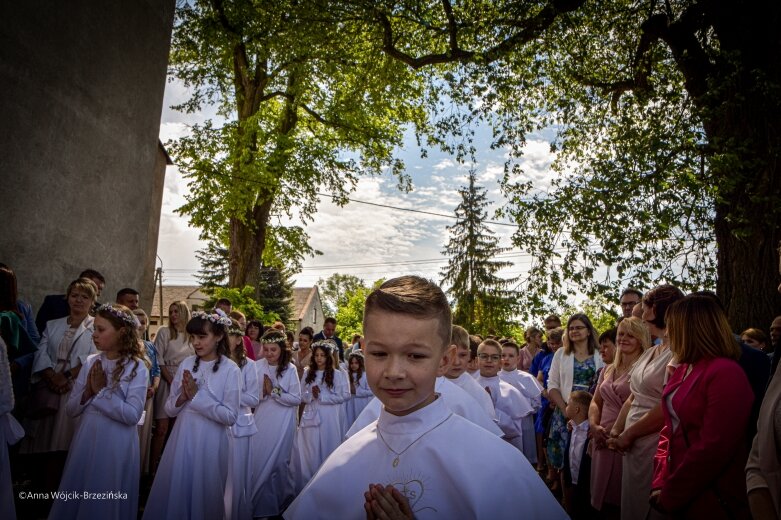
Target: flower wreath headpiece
point(218, 316)
point(273, 336)
point(128, 318)
point(328, 344)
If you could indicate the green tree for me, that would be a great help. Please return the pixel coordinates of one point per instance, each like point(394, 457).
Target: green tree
point(214, 265)
point(337, 289)
point(482, 300)
point(667, 119)
point(349, 316)
point(308, 105)
point(276, 292)
point(242, 300)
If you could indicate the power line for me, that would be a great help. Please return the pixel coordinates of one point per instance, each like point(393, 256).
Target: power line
point(377, 204)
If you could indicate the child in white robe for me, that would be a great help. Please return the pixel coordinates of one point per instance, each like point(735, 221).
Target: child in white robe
point(238, 491)
point(109, 396)
point(323, 388)
point(457, 373)
point(454, 398)
point(531, 389)
point(275, 417)
point(205, 398)
point(511, 406)
point(429, 461)
point(359, 387)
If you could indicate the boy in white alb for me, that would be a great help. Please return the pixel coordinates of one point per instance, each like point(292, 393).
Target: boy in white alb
point(511, 406)
point(428, 461)
point(531, 389)
point(457, 373)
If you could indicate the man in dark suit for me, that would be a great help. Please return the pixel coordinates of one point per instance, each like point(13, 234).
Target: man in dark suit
point(56, 305)
point(329, 332)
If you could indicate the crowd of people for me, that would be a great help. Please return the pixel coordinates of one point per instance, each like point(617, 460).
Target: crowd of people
point(668, 414)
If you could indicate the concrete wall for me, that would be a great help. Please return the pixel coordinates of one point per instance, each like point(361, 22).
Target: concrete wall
point(81, 179)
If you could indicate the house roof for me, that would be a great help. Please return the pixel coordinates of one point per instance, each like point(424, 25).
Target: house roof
point(302, 298)
point(173, 293)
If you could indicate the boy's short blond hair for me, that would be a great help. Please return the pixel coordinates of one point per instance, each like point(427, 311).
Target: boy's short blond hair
point(490, 343)
point(581, 397)
point(459, 337)
point(414, 296)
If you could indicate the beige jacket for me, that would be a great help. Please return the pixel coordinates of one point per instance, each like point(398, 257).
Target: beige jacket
point(763, 469)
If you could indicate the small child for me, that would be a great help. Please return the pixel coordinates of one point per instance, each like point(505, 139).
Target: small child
point(275, 418)
point(431, 462)
point(324, 388)
point(238, 495)
point(511, 406)
point(359, 387)
point(577, 461)
point(205, 398)
point(108, 397)
point(531, 389)
point(458, 371)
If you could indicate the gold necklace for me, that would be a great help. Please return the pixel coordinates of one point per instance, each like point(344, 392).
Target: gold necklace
point(400, 453)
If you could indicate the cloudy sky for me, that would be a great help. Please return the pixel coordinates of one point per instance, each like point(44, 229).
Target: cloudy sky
point(366, 241)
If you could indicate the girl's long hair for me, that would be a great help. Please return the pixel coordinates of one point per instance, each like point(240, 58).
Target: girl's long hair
point(130, 348)
point(359, 373)
point(202, 326)
point(278, 338)
point(239, 353)
point(328, 373)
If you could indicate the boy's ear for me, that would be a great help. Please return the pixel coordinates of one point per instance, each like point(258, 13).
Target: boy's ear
point(447, 359)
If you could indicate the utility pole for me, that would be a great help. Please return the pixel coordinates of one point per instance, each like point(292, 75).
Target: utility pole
point(159, 276)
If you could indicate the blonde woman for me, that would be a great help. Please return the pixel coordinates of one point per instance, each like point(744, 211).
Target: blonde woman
point(636, 431)
point(632, 339)
point(173, 346)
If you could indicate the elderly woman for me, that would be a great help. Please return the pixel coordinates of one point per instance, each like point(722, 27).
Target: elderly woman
point(64, 348)
point(636, 430)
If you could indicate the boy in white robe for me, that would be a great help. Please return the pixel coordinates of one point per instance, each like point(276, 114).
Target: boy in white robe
point(458, 374)
point(439, 464)
point(531, 389)
point(511, 406)
point(454, 397)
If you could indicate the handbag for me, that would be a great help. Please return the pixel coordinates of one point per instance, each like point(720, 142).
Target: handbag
point(310, 417)
point(43, 402)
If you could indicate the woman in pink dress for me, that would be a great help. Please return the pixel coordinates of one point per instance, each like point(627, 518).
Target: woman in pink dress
point(612, 391)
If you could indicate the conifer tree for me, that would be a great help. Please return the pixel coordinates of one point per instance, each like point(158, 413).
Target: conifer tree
point(482, 299)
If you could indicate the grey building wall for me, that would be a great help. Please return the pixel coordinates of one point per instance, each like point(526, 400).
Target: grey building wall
point(81, 178)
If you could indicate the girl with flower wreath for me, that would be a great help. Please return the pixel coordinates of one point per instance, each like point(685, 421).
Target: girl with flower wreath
point(275, 417)
point(205, 398)
point(359, 387)
point(239, 492)
point(109, 397)
point(324, 389)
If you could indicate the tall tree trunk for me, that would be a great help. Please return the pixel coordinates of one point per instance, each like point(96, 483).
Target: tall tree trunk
point(247, 242)
point(748, 271)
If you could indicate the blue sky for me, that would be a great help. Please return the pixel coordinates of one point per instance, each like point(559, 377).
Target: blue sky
point(366, 241)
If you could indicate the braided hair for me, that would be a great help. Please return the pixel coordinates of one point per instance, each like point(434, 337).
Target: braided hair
point(201, 325)
point(328, 372)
